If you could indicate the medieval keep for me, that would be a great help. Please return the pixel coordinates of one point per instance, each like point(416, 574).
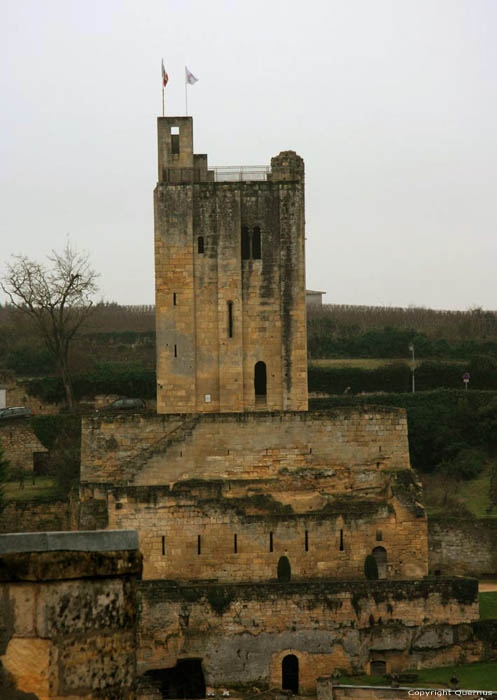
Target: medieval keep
point(254, 515)
point(230, 283)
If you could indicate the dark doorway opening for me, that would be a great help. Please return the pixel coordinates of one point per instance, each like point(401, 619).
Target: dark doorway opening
point(284, 569)
point(380, 554)
point(185, 680)
point(378, 668)
point(260, 380)
point(290, 673)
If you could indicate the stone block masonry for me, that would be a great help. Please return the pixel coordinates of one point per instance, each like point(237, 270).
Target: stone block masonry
point(224, 496)
point(242, 633)
point(145, 450)
point(19, 443)
point(68, 616)
point(463, 547)
point(230, 283)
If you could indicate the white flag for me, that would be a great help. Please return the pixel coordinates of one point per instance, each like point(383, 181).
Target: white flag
point(189, 77)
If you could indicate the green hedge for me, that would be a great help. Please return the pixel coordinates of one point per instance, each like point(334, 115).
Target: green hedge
point(133, 382)
point(398, 377)
point(327, 339)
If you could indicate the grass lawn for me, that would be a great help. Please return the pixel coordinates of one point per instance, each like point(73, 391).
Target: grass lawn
point(474, 494)
point(488, 605)
point(43, 489)
point(471, 677)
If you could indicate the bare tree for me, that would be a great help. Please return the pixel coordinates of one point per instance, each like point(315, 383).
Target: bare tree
point(57, 297)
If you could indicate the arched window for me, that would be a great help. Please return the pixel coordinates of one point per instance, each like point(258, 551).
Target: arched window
point(245, 243)
point(290, 673)
point(200, 244)
point(260, 380)
point(284, 569)
point(256, 243)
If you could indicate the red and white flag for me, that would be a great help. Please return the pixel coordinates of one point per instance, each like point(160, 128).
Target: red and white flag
point(189, 77)
point(165, 76)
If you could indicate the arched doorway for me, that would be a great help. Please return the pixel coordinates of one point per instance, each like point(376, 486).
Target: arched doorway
point(284, 569)
point(380, 554)
point(260, 382)
point(290, 673)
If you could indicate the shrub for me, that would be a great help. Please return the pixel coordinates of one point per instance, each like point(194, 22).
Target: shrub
point(467, 464)
point(371, 568)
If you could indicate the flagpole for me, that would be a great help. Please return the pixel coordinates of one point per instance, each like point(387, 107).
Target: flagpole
point(162, 98)
point(186, 98)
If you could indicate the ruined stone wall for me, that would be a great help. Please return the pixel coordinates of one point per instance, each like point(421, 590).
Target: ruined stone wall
point(25, 516)
point(224, 496)
point(462, 547)
point(226, 534)
point(218, 311)
point(68, 618)
point(145, 450)
point(19, 443)
point(242, 632)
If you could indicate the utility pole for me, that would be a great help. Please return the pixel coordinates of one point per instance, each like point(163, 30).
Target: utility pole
point(413, 367)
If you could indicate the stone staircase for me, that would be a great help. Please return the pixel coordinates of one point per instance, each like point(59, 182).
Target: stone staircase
point(128, 470)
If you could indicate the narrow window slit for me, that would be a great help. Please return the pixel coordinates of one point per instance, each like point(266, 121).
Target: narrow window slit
point(341, 540)
point(175, 351)
point(163, 545)
point(271, 544)
point(230, 319)
point(199, 544)
point(256, 243)
point(235, 544)
point(200, 244)
point(245, 243)
point(174, 298)
point(306, 540)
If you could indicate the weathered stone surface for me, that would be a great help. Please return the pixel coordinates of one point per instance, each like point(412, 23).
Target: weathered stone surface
point(242, 632)
point(25, 516)
point(69, 637)
point(19, 443)
point(48, 566)
point(80, 541)
point(463, 547)
point(220, 311)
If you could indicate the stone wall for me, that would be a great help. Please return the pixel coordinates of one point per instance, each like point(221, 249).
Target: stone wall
point(25, 516)
point(19, 443)
point(463, 547)
point(225, 496)
point(225, 533)
point(242, 632)
point(68, 618)
point(17, 395)
point(144, 450)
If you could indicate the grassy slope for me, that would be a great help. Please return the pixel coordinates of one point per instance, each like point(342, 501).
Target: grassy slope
point(488, 605)
point(44, 489)
point(471, 677)
point(474, 495)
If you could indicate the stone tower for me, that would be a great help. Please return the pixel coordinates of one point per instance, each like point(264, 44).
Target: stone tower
point(230, 281)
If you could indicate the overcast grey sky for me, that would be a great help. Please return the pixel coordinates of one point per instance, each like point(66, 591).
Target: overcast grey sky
point(391, 103)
